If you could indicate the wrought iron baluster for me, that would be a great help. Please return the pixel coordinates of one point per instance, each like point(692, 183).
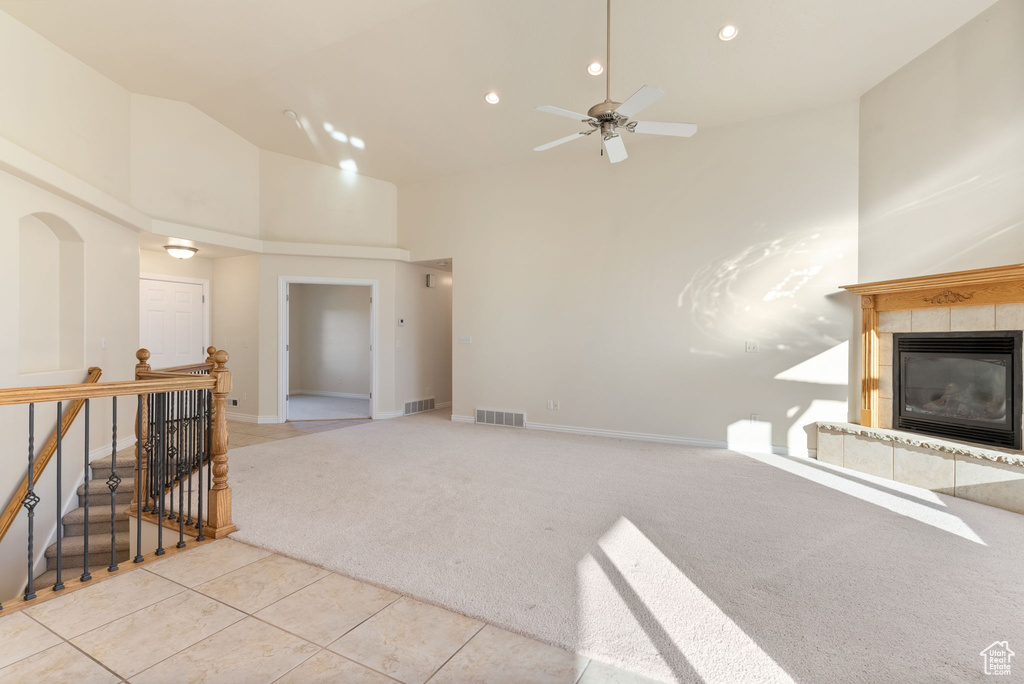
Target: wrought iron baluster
point(58, 585)
point(172, 450)
point(30, 501)
point(161, 462)
point(182, 466)
point(85, 540)
point(138, 482)
point(202, 455)
point(192, 394)
point(112, 484)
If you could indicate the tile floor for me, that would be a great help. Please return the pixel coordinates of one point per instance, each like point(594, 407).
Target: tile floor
point(229, 612)
point(249, 434)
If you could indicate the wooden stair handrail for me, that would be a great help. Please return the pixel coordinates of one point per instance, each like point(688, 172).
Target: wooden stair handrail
point(191, 368)
point(28, 395)
point(14, 505)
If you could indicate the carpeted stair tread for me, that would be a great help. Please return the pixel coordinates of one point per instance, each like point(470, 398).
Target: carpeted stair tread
point(99, 512)
point(99, 487)
point(98, 543)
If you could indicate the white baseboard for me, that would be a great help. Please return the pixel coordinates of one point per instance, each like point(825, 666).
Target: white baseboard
point(443, 404)
point(342, 395)
point(647, 437)
point(385, 415)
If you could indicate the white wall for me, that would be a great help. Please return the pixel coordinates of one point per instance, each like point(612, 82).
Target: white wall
point(236, 322)
point(942, 155)
point(301, 201)
point(423, 353)
point(627, 292)
point(65, 112)
point(329, 339)
point(110, 309)
point(190, 169)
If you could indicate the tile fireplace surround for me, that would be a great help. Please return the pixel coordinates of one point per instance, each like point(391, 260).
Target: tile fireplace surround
point(968, 301)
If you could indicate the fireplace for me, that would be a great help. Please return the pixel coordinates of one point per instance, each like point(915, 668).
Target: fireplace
point(962, 385)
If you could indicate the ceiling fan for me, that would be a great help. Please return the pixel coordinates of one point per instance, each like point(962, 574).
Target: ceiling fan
point(610, 117)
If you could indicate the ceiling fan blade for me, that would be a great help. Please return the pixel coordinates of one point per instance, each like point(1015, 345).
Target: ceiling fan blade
point(615, 148)
point(682, 130)
point(641, 99)
point(560, 141)
point(563, 112)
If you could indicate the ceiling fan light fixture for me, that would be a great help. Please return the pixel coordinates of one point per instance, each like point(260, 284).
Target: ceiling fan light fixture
point(181, 251)
point(728, 32)
point(595, 69)
point(492, 98)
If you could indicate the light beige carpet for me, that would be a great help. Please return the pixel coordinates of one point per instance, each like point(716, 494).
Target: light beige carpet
point(685, 564)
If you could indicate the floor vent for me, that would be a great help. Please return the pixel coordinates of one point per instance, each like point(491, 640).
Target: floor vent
point(507, 418)
point(419, 406)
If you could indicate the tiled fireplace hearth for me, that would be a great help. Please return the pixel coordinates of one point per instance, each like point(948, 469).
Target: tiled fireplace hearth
point(982, 301)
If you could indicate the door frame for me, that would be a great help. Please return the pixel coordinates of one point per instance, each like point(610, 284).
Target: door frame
point(283, 341)
point(191, 281)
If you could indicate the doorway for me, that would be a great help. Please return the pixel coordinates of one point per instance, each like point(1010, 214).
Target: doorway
point(328, 368)
point(174, 319)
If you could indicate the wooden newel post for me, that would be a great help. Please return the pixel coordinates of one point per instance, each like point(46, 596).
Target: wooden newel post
point(142, 436)
point(210, 351)
point(220, 495)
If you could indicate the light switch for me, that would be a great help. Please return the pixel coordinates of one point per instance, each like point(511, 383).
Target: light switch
point(465, 339)
point(753, 347)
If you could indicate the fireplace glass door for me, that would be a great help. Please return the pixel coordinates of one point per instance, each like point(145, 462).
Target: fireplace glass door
point(959, 385)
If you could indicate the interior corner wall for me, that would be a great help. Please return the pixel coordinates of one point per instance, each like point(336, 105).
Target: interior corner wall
point(235, 321)
point(189, 169)
point(272, 267)
point(423, 353)
point(62, 110)
point(627, 292)
point(942, 155)
point(329, 339)
point(302, 201)
point(110, 307)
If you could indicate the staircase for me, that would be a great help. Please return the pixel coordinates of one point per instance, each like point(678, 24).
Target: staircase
point(73, 523)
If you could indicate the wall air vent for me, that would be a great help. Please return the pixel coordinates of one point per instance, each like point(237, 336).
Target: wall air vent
point(506, 418)
point(419, 406)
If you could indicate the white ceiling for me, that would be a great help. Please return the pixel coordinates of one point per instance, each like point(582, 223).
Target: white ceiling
point(408, 76)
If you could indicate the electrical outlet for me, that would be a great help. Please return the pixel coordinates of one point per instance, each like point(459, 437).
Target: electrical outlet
point(753, 347)
point(753, 417)
point(552, 404)
point(465, 339)
point(245, 343)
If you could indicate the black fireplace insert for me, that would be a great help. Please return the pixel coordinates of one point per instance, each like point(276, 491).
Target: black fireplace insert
point(960, 385)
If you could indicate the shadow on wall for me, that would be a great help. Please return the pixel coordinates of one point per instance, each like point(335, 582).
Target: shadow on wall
point(781, 295)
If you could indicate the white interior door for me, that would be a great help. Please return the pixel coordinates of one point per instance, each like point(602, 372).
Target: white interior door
point(171, 321)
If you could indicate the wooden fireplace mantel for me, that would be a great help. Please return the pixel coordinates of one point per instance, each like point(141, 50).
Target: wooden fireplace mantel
point(985, 286)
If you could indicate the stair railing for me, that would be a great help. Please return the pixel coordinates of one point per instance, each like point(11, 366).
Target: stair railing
point(180, 426)
point(15, 503)
point(184, 437)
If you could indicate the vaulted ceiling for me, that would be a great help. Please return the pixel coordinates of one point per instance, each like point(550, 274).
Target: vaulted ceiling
point(408, 76)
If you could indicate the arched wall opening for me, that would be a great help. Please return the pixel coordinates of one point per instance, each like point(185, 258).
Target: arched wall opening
point(51, 295)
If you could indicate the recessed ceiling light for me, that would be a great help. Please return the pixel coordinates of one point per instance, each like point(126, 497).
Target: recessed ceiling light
point(492, 97)
point(349, 165)
point(728, 32)
point(339, 136)
point(358, 143)
point(290, 114)
point(595, 69)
